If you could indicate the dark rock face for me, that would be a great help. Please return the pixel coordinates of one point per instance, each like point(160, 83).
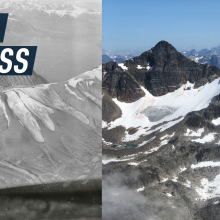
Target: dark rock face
point(169, 70)
point(110, 111)
point(113, 135)
point(10, 81)
point(120, 84)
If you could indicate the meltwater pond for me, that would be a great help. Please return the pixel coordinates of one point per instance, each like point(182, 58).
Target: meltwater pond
point(124, 146)
point(156, 113)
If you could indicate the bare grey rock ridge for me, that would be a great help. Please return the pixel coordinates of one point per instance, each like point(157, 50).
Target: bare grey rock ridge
point(13, 81)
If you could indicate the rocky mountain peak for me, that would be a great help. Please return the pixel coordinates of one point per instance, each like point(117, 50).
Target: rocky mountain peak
point(163, 47)
point(160, 70)
point(161, 55)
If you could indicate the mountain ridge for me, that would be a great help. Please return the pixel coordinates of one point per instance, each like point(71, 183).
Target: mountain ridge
point(15, 81)
point(51, 132)
point(58, 8)
point(159, 70)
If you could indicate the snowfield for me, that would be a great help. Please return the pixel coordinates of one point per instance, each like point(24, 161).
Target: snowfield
point(192, 133)
point(175, 105)
point(43, 100)
point(207, 138)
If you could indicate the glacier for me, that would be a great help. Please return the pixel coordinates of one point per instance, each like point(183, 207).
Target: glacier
point(182, 101)
point(51, 132)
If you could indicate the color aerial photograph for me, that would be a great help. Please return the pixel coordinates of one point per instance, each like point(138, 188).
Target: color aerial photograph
point(160, 110)
point(50, 121)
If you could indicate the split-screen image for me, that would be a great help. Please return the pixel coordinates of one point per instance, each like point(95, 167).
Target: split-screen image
point(117, 117)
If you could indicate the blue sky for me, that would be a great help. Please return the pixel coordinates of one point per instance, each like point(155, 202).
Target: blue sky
point(139, 25)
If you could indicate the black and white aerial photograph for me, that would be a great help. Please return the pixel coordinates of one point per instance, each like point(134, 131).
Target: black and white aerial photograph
point(50, 122)
point(161, 110)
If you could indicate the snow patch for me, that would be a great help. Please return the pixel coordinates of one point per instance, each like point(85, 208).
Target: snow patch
point(152, 150)
point(182, 169)
point(106, 143)
point(24, 115)
point(175, 178)
point(192, 133)
point(72, 93)
point(140, 67)
point(140, 189)
point(133, 164)
point(105, 161)
point(73, 82)
point(123, 66)
point(104, 124)
point(95, 73)
point(143, 131)
point(187, 184)
point(145, 142)
point(205, 164)
point(164, 180)
point(206, 139)
point(167, 136)
point(209, 189)
point(216, 121)
point(168, 194)
point(38, 109)
point(164, 142)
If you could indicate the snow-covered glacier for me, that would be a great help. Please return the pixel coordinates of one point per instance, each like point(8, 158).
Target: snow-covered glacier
point(51, 132)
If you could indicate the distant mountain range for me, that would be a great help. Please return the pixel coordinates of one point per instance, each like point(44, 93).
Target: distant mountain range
point(65, 8)
point(115, 58)
point(118, 56)
point(205, 56)
point(68, 36)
